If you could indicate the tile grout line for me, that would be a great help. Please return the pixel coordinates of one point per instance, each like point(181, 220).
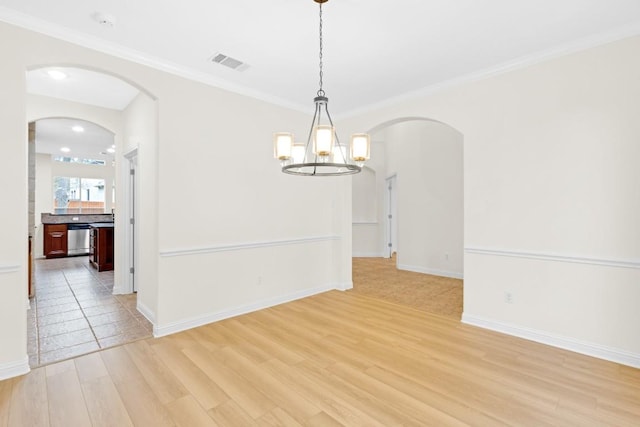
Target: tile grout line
point(82, 310)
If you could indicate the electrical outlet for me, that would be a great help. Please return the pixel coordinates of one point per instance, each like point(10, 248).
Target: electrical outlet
point(508, 297)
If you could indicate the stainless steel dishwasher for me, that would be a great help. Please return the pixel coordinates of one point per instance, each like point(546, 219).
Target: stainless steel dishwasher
point(77, 239)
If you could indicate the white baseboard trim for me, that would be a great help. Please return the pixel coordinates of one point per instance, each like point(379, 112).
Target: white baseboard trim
point(14, 369)
point(146, 312)
point(120, 290)
point(183, 325)
point(245, 245)
point(548, 256)
point(432, 271)
point(344, 286)
point(367, 255)
point(590, 349)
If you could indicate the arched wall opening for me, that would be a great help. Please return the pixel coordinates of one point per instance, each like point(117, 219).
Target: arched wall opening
point(132, 118)
point(422, 160)
point(87, 155)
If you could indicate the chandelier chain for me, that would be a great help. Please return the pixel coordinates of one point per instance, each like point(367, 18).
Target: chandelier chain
point(321, 91)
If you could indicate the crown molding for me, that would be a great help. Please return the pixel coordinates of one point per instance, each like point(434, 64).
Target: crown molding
point(59, 32)
point(516, 64)
point(28, 22)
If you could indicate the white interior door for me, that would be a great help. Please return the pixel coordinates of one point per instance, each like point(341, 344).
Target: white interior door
point(392, 216)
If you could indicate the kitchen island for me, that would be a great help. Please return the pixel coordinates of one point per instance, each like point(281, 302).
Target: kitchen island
point(101, 246)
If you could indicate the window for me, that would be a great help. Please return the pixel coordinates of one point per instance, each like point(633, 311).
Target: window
point(79, 160)
point(73, 195)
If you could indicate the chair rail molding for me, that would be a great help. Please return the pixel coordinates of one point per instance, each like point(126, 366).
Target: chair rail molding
point(5, 269)
point(245, 245)
point(548, 256)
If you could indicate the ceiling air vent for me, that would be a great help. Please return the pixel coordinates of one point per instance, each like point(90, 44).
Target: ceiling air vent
point(228, 61)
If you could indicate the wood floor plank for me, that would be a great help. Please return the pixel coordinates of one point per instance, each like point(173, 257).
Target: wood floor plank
point(66, 401)
point(29, 400)
point(207, 393)
point(323, 420)
point(186, 412)
point(143, 406)
point(230, 414)
point(104, 404)
point(6, 390)
point(330, 398)
point(90, 367)
point(119, 365)
point(278, 417)
point(271, 347)
point(297, 406)
point(164, 384)
point(254, 402)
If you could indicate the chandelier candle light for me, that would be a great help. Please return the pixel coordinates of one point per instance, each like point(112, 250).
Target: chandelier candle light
point(323, 154)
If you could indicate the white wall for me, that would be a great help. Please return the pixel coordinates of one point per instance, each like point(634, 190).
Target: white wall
point(551, 197)
point(428, 166)
point(426, 158)
point(221, 199)
point(140, 133)
point(14, 250)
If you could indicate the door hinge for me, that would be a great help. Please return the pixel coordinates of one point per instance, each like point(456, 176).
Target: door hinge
point(132, 270)
point(132, 221)
point(390, 216)
point(132, 171)
point(389, 244)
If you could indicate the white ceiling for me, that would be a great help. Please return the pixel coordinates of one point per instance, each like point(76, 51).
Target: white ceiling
point(375, 50)
point(55, 133)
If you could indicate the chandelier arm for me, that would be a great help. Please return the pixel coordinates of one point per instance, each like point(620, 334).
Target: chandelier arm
point(309, 143)
point(336, 134)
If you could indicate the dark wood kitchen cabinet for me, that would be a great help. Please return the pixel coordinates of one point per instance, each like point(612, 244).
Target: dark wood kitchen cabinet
point(101, 247)
point(55, 240)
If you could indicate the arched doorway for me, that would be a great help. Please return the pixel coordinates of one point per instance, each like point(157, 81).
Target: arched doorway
point(417, 183)
point(98, 99)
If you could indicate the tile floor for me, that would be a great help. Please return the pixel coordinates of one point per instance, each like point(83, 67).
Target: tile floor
point(74, 312)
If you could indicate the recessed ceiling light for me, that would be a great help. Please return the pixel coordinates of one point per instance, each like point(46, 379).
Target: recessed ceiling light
point(65, 149)
point(111, 150)
point(57, 74)
point(77, 128)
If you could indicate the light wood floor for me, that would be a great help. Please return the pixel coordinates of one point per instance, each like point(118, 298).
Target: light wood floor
point(338, 358)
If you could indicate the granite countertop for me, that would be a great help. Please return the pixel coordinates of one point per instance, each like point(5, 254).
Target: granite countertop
point(101, 225)
point(47, 218)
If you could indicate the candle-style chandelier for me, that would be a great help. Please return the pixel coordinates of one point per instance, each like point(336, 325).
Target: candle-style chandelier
point(323, 154)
